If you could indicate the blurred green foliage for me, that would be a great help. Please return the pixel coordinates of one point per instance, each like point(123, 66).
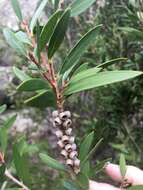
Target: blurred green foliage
point(115, 112)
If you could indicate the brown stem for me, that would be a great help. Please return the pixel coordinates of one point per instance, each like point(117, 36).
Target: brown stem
point(16, 181)
point(49, 74)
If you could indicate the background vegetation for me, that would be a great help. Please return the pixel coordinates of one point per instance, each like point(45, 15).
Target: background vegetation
point(115, 112)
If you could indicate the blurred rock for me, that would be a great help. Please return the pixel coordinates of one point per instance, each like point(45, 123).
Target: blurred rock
point(7, 16)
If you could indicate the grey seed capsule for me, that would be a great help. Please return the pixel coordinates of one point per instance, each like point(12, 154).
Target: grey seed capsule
point(65, 115)
point(61, 144)
point(69, 162)
point(67, 123)
point(71, 140)
point(55, 114)
point(73, 154)
point(76, 170)
point(64, 153)
point(68, 147)
point(68, 131)
point(59, 134)
point(65, 139)
point(74, 146)
point(77, 162)
point(57, 121)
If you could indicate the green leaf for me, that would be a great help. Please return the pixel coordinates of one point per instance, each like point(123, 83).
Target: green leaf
point(21, 165)
point(122, 164)
point(58, 33)
point(4, 132)
point(83, 181)
point(78, 50)
point(81, 68)
point(21, 36)
point(84, 74)
point(33, 85)
point(100, 79)
point(48, 29)
point(136, 187)
point(133, 33)
point(9, 122)
point(79, 6)
point(37, 14)
point(38, 39)
point(14, 42)
point(85, 168)
point(2, 172)
point(16, 8)
point(20, 74)
point(101, 164)
point(110, 62)
point(2, 108)
point(42, 100)
point(69, 185)
point(52, 163)
point(85, 146)
point(91, 152)
point(56, 3)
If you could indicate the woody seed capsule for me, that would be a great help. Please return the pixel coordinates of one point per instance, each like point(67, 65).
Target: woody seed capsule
point(73, 154)
point(77, 162)
point(71, 140)
point(61, 144)
point(69, 162)
point(65, 139)
point(68, 131)
point(59, 134)
point(65, 115)
point(57, 121)
point(67, 123)
point(76, 170)
point(64, 153)
point(74, 146)
point(55, 114)
point(68, 148)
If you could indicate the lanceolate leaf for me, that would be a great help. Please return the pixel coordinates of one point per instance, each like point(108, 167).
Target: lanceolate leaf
point(16, 8)
point(2, 108)
point(100, 79)
point(59, 33)
point(133, 33)
point(123, 168)
point(20, 74)
point(38, 41)
point(21, 165)
point(85, 146)
point(9, 122)
point(33, 85)
point(48, 29)
point(136, 187)
point(92, 151)
point(21, 36)
point(69, 185)
point(14, 42)
point(83, 181)
point(81, 68)
point(79, 49)
point(37, 14)
point(84, 74)
point(52, 163)
point(4, 132)
point(42, 100)
point(2, 172)
point(110, 62)
point(79, 6)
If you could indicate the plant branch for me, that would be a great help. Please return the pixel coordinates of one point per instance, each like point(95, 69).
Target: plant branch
point(16, 181)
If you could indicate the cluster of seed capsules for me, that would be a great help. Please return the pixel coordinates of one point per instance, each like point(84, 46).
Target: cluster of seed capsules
point(66, 141)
